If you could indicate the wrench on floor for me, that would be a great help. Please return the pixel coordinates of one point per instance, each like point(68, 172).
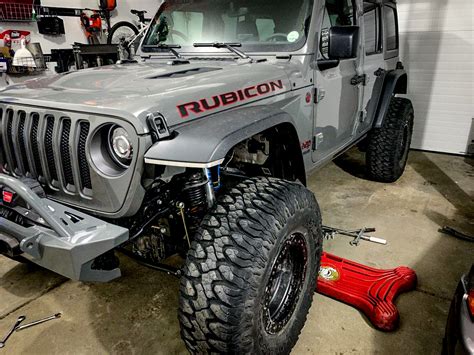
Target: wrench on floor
point(16, 325)
point(39, 321)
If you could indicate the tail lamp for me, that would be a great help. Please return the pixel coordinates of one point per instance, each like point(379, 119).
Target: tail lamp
point(470, 302)
point(470, 292)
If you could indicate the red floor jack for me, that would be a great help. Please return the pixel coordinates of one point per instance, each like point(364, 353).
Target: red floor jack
point(370, 290)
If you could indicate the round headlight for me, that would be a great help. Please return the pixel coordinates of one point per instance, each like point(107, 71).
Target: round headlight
point(120, 146)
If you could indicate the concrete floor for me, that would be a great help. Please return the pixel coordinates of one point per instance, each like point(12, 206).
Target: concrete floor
point(137, 313)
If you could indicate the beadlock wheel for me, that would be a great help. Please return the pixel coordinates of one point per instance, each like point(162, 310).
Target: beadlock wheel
point(285, 284)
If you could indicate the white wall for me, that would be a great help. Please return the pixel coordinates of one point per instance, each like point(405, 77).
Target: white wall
point(437, 47)
point(74, 32)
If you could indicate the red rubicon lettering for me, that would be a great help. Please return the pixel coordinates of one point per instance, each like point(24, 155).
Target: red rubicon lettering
point(221, 100)
point(229, 98)
point(205, 105)
point(251, 92)
point(190, 106)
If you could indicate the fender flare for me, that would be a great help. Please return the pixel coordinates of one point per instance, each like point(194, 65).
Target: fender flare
point(386, 85)
point(205, 143)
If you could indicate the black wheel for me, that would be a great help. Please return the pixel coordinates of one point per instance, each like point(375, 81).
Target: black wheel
point(251, 272)
point(122, 29)
point(388, 146)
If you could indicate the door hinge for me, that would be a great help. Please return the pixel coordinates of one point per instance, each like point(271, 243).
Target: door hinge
point(359, 79)
point(317, 141)
point(318, 95)
point(379, 72)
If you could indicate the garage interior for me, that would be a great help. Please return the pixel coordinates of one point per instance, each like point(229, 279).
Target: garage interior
point(137, 313)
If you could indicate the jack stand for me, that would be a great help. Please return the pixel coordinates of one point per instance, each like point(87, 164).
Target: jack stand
point(370, 290)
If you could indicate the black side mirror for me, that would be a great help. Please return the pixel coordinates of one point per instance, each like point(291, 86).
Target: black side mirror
point(325, 64)
point(344, 42)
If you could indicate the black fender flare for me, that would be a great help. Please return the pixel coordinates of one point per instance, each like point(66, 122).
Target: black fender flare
point(386, 86)
point(205, 143)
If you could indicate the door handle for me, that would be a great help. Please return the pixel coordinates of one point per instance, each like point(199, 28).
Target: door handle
point(359, 79)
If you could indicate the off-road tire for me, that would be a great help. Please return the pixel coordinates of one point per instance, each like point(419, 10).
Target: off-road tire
point(225, 286)
point(388, 146)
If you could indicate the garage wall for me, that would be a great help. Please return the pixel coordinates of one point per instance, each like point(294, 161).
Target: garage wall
point(72, 25)
point(437, 45)
point(437, 48)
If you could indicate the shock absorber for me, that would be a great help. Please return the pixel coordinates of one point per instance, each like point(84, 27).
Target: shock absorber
point(195, 191)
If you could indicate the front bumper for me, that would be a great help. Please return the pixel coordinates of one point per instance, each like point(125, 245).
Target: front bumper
point(71, 243)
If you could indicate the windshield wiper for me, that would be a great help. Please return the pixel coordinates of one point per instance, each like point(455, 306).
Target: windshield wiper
point(170, 47)
point(229, 46)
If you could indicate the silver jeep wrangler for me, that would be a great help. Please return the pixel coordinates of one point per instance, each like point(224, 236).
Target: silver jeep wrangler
point(201, 148)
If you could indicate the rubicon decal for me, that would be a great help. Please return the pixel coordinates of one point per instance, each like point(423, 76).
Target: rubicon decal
point(229, 98)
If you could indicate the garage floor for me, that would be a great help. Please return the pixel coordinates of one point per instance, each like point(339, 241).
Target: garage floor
point(137, 313)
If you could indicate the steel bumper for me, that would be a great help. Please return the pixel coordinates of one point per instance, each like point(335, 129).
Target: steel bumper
point(70, 244)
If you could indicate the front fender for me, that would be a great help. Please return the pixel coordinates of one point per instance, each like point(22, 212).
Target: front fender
point(205, 143)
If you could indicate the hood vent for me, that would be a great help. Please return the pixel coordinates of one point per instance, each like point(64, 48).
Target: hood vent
point(184, 73)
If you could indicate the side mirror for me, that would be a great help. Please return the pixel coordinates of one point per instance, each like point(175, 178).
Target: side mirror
point(325, 64)
point(344, 42)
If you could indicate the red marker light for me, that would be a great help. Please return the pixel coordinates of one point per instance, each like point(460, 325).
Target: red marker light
point(7, 196)
point(470, 302)
point(308, 97)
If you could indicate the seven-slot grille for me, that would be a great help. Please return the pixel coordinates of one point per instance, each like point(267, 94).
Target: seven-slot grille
point(49, 148)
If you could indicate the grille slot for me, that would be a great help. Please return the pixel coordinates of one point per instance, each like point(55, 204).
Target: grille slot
point(84, 128)
point(13, 165)
point(34, 144)
point(48, 141)
point(21, 141)
point(65, 153)
point(2, 150)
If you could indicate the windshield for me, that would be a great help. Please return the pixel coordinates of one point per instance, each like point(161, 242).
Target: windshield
point(259, 25)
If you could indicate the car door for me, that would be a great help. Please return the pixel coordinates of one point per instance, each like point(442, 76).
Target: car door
point(338, 100)
point(372, 55)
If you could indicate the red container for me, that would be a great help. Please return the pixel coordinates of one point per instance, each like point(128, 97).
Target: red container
point(12, 38)
point(16, 10)
point(108, 5)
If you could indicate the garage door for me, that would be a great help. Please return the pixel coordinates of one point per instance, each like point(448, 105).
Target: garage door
point(437, 45)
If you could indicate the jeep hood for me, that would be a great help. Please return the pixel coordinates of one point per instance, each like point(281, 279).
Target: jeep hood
point(133, 91)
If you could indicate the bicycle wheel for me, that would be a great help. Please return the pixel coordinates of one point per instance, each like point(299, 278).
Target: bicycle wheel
point(122, 29)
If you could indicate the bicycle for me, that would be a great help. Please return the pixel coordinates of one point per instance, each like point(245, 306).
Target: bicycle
point(128, 33)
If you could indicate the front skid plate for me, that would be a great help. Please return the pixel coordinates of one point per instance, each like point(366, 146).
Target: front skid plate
point(72, 242)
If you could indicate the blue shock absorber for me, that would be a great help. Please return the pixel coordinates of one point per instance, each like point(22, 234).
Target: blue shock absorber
point(217, 184)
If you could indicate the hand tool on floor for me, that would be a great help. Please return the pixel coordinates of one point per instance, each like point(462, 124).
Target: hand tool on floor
point(457, 234)
point(358, 235)
point(17, 324)
point(40, 321)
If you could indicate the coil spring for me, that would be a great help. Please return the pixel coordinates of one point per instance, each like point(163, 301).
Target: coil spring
point(195, 190)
